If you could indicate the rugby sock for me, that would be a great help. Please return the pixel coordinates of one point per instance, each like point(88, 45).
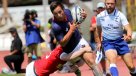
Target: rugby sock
point(78, 72)
point(133, 73)
point(96, 70)
point(113, 70)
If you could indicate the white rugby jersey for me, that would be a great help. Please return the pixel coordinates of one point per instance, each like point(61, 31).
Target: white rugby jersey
point(111, 24)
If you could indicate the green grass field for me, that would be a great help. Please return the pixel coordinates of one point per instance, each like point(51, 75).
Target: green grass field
point(12, 74)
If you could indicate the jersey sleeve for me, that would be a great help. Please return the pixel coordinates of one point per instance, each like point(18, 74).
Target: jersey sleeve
point(69, 15)
point(98, 20)
point(124, 20)
point(38, 22)
point(57, 32)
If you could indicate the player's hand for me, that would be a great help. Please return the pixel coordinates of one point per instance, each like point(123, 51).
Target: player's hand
point(72, 26)
point(98, 46)
point(84, 14)
point(32, 22)
point(127, 37)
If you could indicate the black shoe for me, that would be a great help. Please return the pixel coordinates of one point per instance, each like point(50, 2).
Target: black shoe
point(133, 74)
point(78, 72)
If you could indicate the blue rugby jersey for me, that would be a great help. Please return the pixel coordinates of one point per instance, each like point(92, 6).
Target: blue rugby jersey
point(60, 29)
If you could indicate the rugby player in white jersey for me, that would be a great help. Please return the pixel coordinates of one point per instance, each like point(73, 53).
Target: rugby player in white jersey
point(111, 23)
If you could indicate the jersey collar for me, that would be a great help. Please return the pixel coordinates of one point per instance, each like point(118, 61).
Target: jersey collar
point(113, 13)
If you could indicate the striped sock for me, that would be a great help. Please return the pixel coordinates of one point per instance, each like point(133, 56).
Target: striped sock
point(114, 70)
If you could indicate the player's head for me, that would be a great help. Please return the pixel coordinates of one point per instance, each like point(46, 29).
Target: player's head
point(57, 10)
point(34, 13)
point(13, 31)
point(27, 15)
point(110, 5)
point(100, 7)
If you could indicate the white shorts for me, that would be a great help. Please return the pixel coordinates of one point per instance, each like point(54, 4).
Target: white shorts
point(82, 43)
point(30, 69)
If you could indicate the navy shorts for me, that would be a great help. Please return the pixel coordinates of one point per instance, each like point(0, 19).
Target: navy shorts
point(119, 45)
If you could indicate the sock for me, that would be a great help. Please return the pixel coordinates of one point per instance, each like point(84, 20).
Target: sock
point(113, 70)
point(96, 70)
point(133, 74)
point(78, 72)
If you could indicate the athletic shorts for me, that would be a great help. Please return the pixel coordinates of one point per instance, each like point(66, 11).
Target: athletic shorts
point(119, 45)
point(80, 45)
point(30, 69)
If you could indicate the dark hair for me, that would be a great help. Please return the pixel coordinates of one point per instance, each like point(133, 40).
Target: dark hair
point(54, 4)
point(12, 29)
point(34, 12)
point(26, 15)
point(50, 1)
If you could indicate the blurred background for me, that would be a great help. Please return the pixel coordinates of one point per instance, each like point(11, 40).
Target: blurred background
point(12, 12)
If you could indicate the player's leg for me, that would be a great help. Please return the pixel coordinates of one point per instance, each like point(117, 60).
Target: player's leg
point(111, 56)
point(37, 51)
point(65, 57)
point(127, 57)
point(90, 61)
point(29, 51)
point(129, 62)
point(105, 64)
point(73, 66)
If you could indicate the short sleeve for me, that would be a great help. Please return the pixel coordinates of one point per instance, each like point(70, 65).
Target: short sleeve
point(57, 32)
point(124, 20)
point(38, 22)
point(98, 21)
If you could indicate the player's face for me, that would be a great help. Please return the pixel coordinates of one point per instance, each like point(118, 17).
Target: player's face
point(13, 34)
point(100, 9)
point(59, 13)
point(110, 5)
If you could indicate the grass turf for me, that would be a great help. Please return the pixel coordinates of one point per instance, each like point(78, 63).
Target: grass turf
point(12, 74)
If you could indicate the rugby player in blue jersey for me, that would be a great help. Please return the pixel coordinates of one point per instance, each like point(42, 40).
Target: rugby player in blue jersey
point(69, 37)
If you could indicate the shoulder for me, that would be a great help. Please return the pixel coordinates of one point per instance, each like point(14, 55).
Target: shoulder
point(55, 26)
point(69, 15)
point(120, 14)
point(67, 11)
point(18, 40)
point(36, 20)
point(102, 14)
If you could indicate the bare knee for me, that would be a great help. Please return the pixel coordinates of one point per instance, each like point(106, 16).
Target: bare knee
point(89, 58)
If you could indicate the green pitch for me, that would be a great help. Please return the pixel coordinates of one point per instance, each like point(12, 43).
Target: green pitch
point(12, 74)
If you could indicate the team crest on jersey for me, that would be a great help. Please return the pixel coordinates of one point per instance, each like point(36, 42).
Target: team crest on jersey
point(116, 19)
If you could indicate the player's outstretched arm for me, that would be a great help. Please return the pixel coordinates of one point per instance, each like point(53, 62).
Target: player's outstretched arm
point(76, 54)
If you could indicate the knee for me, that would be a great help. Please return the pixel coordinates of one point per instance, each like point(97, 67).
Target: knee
point(5, 58)
point(89, 61)
point(131, 67)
